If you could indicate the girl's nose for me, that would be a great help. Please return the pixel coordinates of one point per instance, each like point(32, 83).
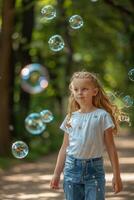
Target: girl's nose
point(80, 91)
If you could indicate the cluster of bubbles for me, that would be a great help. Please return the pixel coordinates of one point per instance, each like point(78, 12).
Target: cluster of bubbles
point(125, 102)
point(35, 124)
point(34, 78)
point(56, 42)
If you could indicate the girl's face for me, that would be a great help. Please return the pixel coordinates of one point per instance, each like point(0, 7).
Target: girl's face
point(83, 90)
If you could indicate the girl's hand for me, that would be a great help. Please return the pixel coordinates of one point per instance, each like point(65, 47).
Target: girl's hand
point(117, 184)
point(54, 184)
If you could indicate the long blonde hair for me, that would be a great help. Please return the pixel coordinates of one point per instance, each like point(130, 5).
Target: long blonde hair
point(101, 100)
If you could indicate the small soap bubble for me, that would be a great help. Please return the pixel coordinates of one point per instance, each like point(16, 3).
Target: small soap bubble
point(128, 101)
point(76, 21)
point(111, 96)
point(56, 43)
point(20, 149)
point(131, 74)
point(48, 12)
point(34, 78)
point(34, 124)
point(46, 116)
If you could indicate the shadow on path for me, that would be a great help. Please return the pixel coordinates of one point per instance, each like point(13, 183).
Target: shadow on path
point(30, 181)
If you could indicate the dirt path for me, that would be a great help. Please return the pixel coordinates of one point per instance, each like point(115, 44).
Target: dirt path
point(30, 181)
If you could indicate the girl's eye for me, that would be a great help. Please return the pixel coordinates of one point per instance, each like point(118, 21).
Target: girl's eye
point(75, 89)
point(85, 89)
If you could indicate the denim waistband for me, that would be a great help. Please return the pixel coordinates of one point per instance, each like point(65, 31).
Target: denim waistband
point(81, 160)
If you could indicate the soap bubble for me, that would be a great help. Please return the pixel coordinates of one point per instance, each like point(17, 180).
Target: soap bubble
point(111, 96)
point(76, 21)
point(56, 43)
point(46, 116)
point(34, 78)
point(34, 124)
point(48, 12)
point(128, 101)
point(131, 74)
point(124, 120)
point(20, 149)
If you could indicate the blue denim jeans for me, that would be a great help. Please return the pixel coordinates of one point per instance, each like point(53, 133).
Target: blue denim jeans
point(84, 179)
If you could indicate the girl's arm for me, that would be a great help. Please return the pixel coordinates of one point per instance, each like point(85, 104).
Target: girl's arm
point(112, 152)
point(60, 163)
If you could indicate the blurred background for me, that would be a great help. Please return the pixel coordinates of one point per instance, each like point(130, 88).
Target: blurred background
point(100, 40)
point(42, 42)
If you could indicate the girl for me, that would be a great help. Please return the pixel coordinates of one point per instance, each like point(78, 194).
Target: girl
point(89, 126)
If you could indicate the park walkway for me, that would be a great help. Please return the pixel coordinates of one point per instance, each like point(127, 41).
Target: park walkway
point(30, 181)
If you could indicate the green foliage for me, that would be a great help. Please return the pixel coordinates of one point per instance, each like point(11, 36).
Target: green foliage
point(103, 45)
point(6, 163)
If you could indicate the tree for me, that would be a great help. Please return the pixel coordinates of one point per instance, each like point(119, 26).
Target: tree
point(5, 87)
point(27, 24)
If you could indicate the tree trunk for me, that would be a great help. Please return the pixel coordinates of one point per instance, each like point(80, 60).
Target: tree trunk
point(5, 88)
point(27, 28)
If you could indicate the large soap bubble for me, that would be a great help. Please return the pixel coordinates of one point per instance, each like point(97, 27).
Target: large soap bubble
point(34, 124)
point(34, 78)
point(20, 149)
point(46, 116)
point(56, 43)
point(76, 21)
point(48, 12)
